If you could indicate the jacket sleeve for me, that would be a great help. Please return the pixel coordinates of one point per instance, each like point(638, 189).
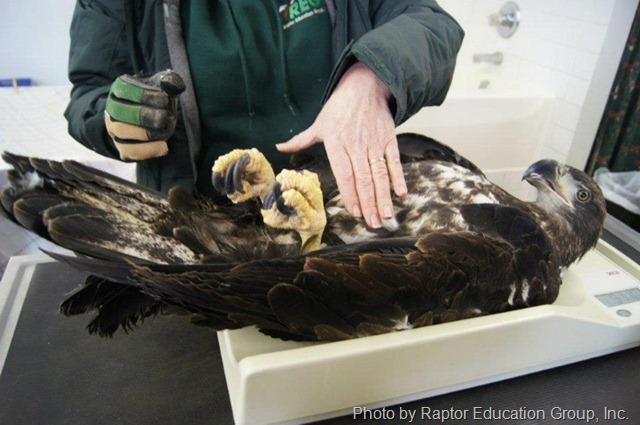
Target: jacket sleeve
point(412, 47)
point(97, 56)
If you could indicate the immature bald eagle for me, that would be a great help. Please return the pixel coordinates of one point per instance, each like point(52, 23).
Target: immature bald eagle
point(458, 246)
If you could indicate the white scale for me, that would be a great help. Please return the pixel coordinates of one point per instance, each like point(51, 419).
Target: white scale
point(272, 381)
point(596, 313)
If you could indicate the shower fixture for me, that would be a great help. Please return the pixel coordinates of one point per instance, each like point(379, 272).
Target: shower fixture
point(495, 58)
point(506, 20)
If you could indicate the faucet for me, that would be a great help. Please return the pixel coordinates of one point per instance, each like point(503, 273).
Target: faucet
point(496, 57)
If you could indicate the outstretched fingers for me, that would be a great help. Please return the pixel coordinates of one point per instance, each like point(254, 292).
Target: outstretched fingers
point(394, 166)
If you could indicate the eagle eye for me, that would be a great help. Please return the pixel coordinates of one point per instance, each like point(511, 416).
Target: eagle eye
point(583, 195)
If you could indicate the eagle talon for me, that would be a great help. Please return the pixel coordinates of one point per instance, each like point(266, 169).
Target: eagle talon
point(242, 174)
point(216, 180)
point(229, 188)
point(295, 202)
point(269, 199)
point(274, 196)
point(283, 208)
point(237, 172)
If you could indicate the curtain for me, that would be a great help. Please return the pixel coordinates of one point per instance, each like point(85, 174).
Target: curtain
point(617, 143)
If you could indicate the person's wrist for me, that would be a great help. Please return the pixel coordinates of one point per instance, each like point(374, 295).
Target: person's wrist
point(362, 77)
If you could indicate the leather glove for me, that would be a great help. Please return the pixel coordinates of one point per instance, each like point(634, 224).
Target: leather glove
point(141, 114)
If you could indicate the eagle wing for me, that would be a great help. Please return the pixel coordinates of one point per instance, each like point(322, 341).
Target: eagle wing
point(347, 291)
point(149, 253)
point(111, 223)
point(100, 215)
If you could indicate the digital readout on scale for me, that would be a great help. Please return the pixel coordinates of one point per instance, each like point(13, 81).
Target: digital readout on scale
point(614, 299)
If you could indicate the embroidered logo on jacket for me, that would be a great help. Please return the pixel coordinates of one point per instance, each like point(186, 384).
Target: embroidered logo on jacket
point(297, 11)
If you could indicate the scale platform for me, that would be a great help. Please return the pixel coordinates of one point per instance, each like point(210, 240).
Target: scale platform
point(272, 381)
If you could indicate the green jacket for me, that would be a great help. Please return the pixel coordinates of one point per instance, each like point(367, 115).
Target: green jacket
point(410, 44)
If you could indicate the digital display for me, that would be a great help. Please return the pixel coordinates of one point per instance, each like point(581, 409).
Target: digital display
point(614, 299)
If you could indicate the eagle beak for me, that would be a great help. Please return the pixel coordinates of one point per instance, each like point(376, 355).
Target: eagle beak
point(545, 175)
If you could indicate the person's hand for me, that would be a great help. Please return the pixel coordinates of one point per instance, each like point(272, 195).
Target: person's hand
point(358, 132)
point(141, 114)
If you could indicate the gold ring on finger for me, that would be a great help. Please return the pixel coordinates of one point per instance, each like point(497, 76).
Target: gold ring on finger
point(379, 159)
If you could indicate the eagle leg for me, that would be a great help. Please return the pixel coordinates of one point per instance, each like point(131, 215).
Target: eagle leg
point(243, 174)
point(295, 202)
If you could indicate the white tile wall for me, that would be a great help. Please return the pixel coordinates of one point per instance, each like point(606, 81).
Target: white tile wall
point(35, 40)
point(556, 48)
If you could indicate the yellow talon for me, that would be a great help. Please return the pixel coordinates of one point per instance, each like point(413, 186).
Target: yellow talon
point(257, 175)
point(302, 196)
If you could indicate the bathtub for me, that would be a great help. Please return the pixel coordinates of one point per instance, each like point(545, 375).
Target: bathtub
point(501, 129)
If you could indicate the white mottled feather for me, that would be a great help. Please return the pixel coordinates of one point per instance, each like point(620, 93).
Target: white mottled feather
point(437, 190)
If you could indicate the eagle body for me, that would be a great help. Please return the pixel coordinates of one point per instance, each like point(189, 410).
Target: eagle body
point(436, 192)
point(457, 247)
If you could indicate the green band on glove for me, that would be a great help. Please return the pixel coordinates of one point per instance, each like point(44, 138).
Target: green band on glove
point(126, 90)
point(148, 103)
point(123, 112)
point(124, 101)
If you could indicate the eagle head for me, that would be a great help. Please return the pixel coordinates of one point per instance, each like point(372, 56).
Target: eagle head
point(573, 201)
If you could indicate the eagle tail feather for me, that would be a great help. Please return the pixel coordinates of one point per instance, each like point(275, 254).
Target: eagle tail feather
point(115, 306)
point(29, 211)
